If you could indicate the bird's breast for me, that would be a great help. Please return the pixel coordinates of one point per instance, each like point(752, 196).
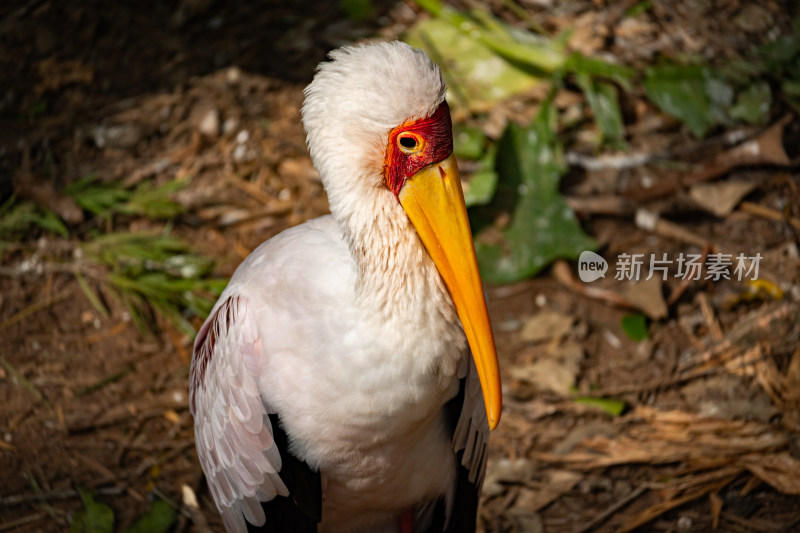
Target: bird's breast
point(358, 391)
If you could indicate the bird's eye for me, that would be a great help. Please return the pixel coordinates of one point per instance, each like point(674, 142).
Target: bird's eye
point(409, 142)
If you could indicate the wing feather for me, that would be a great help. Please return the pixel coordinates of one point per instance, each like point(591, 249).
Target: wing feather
point(234, 434)
point(472, 429)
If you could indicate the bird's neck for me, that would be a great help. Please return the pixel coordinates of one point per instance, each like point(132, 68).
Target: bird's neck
point(397, 280)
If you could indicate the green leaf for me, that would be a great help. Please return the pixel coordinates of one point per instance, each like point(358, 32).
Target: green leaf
point(97, 198)
point(753, 104)
point(16, 220)
point(603, 100)
point(638, 8)
point(469, 142)
point(781, 56)
point(149, 200)
point(482, 186)
point(581, 65)
point(95, 517)
point(608, 405)
point(477, 77)
point(791, 91)
point(691, 94)
point(514, 45)
point(152, 271)
point(154, 201)
point(635, 327)
point(157, 519)
point(543, 228)
point(49, 221)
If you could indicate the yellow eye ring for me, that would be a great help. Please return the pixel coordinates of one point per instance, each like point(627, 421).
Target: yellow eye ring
point(409, 142)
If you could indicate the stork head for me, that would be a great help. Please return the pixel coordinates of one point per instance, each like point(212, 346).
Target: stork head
point(379, 132)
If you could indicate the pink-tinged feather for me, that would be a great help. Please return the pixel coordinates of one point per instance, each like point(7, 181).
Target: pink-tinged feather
point(234, 435)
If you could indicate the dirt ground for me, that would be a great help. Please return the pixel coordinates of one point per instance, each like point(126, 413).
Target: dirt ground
point(210, 91)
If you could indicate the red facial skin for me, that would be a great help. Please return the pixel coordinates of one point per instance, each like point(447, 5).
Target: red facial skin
point(417, 144)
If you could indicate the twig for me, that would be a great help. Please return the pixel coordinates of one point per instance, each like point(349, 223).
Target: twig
point(107, 475)
point(652, 386)
point(563, 273)
point(34, 308)
point(8, 526)
point(708, 314)
point(771, 214)
point(600, 205)
point(753, 524)
point(16, 374)
point(658, 509)
point(43, 503)
point(13, 501)
point(617, 162)
point(687, 280)
point(650, 221)
point(605, 515)
point(191, 505)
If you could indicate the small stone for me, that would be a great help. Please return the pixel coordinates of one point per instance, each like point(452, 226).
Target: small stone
point(209, 125)
point(233, 75)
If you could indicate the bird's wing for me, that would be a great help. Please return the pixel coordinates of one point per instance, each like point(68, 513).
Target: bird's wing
point(471, 434)
point(242, 448)
point(466, 413)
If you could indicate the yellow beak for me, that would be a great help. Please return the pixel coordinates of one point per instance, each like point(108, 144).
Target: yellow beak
point(434, 202)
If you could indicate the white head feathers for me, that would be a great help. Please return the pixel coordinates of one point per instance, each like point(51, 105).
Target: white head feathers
point(351, 106)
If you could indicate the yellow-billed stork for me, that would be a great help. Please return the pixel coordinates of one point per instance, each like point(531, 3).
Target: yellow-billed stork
point(331, 386)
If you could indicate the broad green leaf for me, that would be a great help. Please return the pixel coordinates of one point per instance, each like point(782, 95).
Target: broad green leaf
point(95, 517)
point(753, 104)
point(581, 65)
point(483, 184)
point(691, 94)
point(542, 227)
point(782, 55)
point(609, 405)
point(635, 327)
point(469, 142)
point(517, 46)
point(476, 76)
point(157, 519)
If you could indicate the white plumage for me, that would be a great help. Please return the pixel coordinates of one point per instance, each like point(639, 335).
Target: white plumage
point(344, 328)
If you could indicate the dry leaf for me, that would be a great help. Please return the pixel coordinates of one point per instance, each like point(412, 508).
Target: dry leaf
point(780, 470)
point(722, 198)
point(546, 325)
point(555, 369)
point(648, 297)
